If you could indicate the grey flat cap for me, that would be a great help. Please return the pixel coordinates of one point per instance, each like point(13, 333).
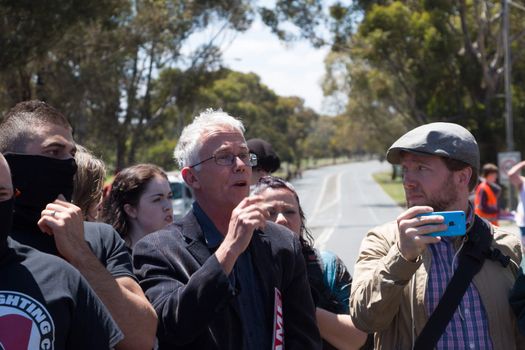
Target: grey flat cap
point(441, 139)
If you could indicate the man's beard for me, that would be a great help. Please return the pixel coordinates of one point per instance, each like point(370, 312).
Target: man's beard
point(443, 198)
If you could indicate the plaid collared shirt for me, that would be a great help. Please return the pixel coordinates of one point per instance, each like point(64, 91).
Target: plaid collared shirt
point(468, 328)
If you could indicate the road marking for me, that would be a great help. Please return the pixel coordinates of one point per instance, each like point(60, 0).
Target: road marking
point(324, 237)
point(322, 203)
point(319, 199)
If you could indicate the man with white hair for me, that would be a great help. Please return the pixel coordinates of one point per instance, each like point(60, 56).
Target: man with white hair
point(223, 277)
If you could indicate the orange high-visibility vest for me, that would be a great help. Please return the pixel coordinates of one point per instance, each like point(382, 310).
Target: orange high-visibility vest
point(492, 200)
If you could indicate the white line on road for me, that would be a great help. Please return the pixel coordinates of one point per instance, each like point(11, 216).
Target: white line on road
point(319, 200)
point(324, 237)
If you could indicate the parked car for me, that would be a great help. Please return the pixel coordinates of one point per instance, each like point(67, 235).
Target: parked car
point(182, 195)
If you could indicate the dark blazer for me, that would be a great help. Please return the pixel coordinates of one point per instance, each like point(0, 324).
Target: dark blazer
point(193, 296)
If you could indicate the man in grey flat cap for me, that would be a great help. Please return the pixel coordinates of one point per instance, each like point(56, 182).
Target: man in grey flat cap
point(415, 290)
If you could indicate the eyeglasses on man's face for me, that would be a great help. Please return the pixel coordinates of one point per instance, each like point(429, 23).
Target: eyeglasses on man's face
point(228, 159)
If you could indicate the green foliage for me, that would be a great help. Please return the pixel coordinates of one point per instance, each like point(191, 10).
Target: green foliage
point(160, 153)
point(283, 121)
point(115, 68)
point(410, 63)
point(29, 28)
point(305, 15)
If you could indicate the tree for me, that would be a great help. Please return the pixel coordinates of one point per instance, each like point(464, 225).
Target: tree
point(321, 143)
point(416, 62)
point(301, 123)
point(282, 121)
point(117, 105)
point(30, 30)
point(101, 62)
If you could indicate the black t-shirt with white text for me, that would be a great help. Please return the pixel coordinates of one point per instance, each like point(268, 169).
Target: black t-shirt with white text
point(46, 304)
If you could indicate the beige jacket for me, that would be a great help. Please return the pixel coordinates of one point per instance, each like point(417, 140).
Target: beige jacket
point(387, 290)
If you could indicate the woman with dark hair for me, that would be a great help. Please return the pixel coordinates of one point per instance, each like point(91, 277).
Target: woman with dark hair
point(138, 203)
point(328, 276)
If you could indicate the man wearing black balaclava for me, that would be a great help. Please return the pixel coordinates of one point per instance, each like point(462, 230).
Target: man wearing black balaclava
point(37, 142)
point(44, 302)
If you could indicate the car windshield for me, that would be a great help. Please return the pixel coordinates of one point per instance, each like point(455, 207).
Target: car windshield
point(176, 189)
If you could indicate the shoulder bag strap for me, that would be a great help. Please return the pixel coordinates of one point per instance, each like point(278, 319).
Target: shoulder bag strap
point(470, 262)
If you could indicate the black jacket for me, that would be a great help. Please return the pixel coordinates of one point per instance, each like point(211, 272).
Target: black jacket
point(193, 296)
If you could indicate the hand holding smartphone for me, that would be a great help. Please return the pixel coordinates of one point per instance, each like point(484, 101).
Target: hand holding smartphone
point(455, 220)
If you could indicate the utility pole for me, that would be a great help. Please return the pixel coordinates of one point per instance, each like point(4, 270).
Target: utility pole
point(509, 128)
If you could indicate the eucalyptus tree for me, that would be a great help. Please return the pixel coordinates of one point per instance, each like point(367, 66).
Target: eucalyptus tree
point(407, 63)
point(99, 61)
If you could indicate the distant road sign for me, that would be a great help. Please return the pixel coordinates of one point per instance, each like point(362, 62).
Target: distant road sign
point(507, 160)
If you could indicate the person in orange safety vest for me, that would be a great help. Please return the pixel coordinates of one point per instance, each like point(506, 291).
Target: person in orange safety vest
point(487, 194)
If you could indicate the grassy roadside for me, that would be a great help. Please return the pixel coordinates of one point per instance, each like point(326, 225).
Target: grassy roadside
point(394, 188)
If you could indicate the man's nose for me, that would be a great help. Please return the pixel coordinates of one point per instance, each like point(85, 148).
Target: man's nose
point(239, 164)
point(167, 205)
point(281, 219)
point(408, 179)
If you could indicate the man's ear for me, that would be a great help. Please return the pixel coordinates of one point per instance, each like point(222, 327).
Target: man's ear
point(464, 175)
point(130, 211)
point(189, 176)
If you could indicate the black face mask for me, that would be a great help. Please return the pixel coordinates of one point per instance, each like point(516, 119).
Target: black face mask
point(38, 181)
point(6, 221)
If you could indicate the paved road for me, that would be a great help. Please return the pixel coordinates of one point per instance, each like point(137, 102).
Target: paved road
point(342, 202)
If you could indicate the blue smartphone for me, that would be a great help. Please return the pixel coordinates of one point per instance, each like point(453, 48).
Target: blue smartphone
point(454, 219)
